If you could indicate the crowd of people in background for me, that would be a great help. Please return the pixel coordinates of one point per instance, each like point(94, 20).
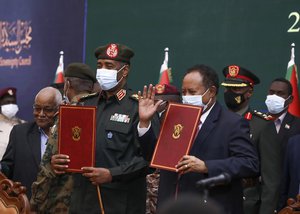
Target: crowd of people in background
point(258, 150)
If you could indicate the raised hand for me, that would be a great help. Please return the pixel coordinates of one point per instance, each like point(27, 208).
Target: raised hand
point(147, 105)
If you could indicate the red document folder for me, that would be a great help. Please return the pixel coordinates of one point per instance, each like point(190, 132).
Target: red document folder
point(176, 136)
point(77, 135)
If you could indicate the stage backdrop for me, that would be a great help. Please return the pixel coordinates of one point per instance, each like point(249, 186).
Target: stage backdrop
point(255, 34)
point(32, 33)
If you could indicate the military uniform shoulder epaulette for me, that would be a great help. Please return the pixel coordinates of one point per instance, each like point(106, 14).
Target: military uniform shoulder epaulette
point(89, 95)
point(262, 115)
point(135, 97)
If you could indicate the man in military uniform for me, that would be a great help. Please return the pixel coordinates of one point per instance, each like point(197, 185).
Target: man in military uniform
point(8, 118)
point(239, 86)
point(51, 193)
point(123, 125)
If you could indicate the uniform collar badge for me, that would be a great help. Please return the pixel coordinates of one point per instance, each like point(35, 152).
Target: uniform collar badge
point(121, 94)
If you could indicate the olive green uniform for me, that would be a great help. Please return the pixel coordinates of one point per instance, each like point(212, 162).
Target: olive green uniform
point(118, 150)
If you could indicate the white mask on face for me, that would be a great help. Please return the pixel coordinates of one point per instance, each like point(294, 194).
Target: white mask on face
point(275, 104)
point(107, 78)
point(195, 100)
point(9, 110)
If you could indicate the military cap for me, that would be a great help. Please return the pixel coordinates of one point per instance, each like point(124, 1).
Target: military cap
point(165, 89)
point(10, 91)
point(81, 71)
point(117, 52)
point(236, 76)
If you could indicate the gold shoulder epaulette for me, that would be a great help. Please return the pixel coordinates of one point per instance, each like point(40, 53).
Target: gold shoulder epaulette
point(89, 95)
point(262, 115)
point(135, 97)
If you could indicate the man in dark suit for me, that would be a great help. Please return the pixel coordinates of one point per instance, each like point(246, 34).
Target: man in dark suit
point(291, 172)
point(222, 145)
point(27, 141)
point(273, 140)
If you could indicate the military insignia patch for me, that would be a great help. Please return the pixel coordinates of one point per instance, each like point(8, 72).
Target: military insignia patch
point(238, 99)
point(10, 92)
point(233, 70)
point(76, 131)
point(160, 88)
point(109, 135)
point(177, 131)
point(121, 94)
point(112, 50)
point(122, 118)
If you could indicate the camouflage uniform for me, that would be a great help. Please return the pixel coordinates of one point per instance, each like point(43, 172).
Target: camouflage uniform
point(51, 193)
point(152, 191)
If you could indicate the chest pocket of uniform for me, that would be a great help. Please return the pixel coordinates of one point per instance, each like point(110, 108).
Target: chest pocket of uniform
point(118, 135)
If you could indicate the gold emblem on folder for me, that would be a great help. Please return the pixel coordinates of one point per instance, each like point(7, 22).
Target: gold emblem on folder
point(76, 133)
point(177, 131)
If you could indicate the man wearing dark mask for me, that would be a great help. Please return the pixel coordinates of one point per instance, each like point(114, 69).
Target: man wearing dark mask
point(123, 124)
point(8, 118)
point(221, 145)
point(273, 140)
point(238, 83)
point(239, 86)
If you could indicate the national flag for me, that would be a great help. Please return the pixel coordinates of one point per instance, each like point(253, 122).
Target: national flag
point(292, 76)
point(59, 76)
point(165, 72)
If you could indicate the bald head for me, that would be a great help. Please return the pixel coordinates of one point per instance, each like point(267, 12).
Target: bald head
point(50, 94)
point(45, 107)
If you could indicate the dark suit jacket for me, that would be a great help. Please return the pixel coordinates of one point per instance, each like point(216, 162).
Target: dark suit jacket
point(224, 144)
point(23, 155)
point(272, 147)
point(291, 174)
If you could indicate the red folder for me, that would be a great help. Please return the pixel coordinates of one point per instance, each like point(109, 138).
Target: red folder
point(77, 135)
point(176, 136)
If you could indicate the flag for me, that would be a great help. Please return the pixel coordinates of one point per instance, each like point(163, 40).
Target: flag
point(165, 72)
point(59, 76)
point(292, 76)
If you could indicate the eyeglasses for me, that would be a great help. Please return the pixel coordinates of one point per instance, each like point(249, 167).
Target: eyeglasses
point(46, 110)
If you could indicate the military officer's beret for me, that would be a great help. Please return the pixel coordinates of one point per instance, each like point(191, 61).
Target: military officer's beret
point(117, 52)
point(81, 71)
point(10, 91)
point(236, 76)
point(166, 89)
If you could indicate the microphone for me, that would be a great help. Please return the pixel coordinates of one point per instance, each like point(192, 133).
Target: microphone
point(222, 179)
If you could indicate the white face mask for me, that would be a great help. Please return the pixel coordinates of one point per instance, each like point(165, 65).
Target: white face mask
point(9, 110)
point(108, 78)
point(275, 104)
point(195, 100)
